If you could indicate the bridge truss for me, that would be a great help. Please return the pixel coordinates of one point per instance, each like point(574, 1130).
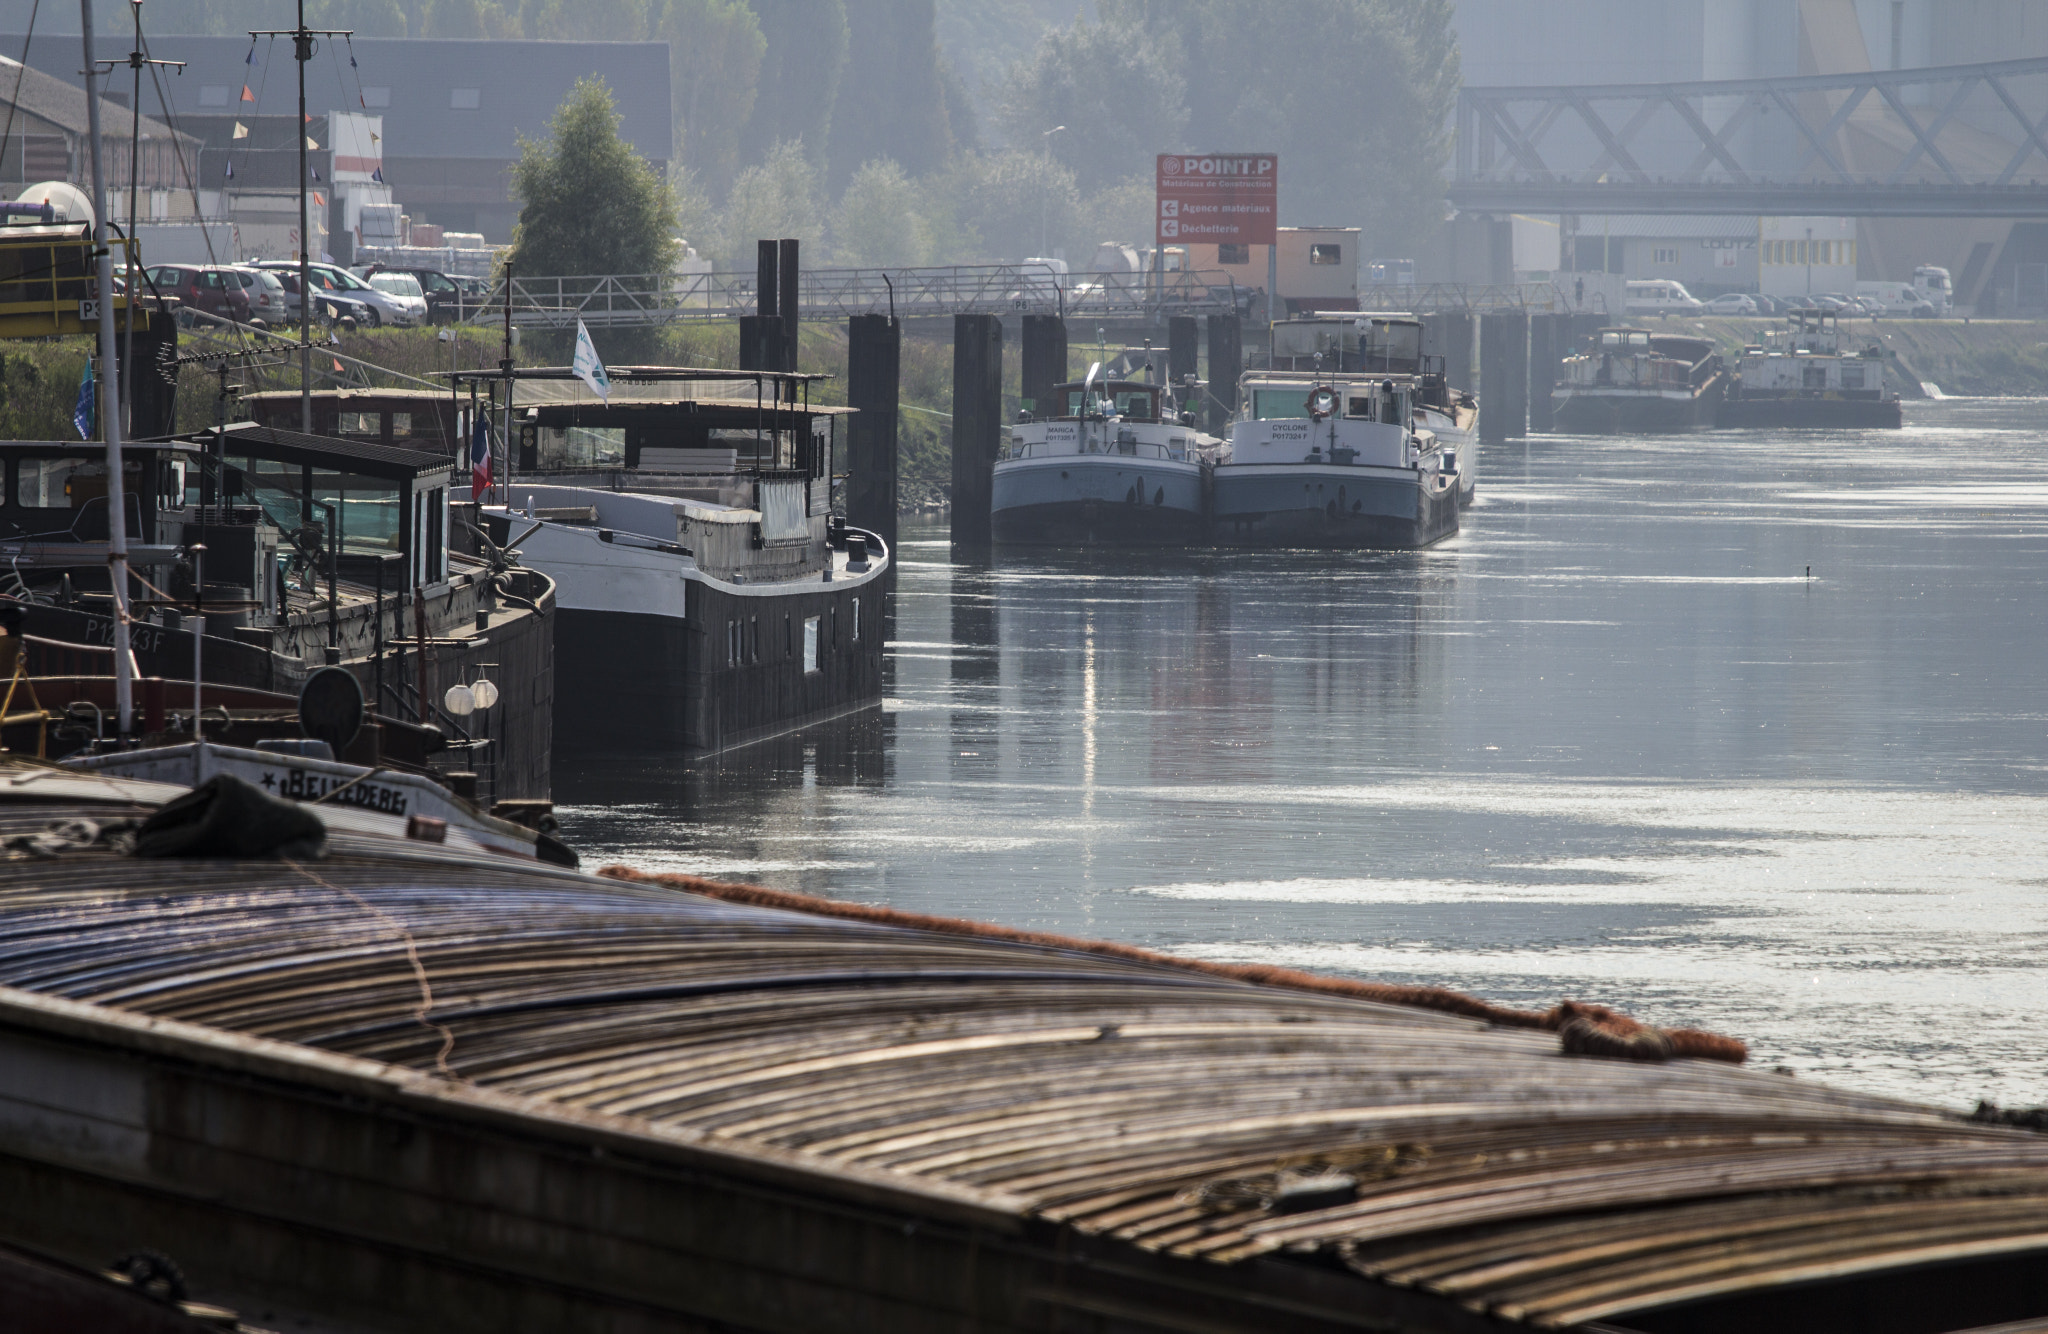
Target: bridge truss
point(1946, 141)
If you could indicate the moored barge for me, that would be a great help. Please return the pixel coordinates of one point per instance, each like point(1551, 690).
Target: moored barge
point(1810, 374)
point(520, 1095)
point(1634, 382)
point(708, 597)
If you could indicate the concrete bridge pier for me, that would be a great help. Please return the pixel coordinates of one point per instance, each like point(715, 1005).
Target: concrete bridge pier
point(874, 353)
point(977, 424)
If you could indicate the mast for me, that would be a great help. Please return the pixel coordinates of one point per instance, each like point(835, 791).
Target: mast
point(302, 50)
point(109, 391)
point(136, 60)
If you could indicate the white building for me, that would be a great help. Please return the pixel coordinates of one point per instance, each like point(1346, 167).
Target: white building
point(1798, 256)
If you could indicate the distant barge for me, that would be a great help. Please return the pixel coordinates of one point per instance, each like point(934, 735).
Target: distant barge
point(405, 1088)
point(1634, 382)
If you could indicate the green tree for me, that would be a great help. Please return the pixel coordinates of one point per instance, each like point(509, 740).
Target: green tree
point(715, 48)
point(1364, 142)
point(880, 221)
point(1116, 85)
point(800, 73)
point(588, 203)
point(892, 102)
point(777, 199)
point(1008, 205)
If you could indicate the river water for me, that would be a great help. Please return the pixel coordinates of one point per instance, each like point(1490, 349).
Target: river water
point(1734, 730)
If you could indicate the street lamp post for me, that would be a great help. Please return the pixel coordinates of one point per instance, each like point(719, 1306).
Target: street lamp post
point(1045, 182)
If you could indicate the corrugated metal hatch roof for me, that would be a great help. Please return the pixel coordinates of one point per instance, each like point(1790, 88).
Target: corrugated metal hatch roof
point(1121, 1098)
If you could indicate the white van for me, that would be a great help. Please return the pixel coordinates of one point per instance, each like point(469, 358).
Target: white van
point(1897, 299)
point(1660, 296)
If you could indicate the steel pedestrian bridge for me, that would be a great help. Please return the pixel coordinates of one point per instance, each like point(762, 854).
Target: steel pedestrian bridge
point(644, 300)
point(1945, 141)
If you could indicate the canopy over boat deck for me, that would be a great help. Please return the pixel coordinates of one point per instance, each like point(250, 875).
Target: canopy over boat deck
point(517, 1096)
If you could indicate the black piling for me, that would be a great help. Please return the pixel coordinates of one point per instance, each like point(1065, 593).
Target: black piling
point(786, 304)
point(1448, 334)
point(1545, 338)
point(977, 423)
point(766, 263)
point(874, 351)
point(1045, 363)
point(151, 382)
point(761, 344)
point(1183, 352)
point(1226, 363)
point(1503, 375)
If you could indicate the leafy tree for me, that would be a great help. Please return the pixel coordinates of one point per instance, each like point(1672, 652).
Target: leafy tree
point(800, 73)
point(880, 222)
point(589, 205)
point(1009, 204)
point(779, 198)
point(715, 48)
point(1367, 148)
point(892, 102)
point(1116, 85)
point(366, 18)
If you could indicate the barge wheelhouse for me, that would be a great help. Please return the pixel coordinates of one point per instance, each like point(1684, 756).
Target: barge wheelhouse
point(1115, 465)
point(709, 599)
point(299, 552)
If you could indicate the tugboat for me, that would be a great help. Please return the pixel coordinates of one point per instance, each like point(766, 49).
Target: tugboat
point(1809, 374)
point(1327, 452)
point(708, 597)
point(1118, 464)
point(1634, 382)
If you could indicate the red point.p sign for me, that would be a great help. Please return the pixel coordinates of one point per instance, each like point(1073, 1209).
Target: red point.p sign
point(1218, 198)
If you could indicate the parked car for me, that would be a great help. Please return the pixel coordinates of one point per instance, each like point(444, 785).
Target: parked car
point(329, 308)
point(266, 295)
point(209, 289)
point(1769, 305)
point(335, 281)
point(447, 299)
point(406, 291)
point(1731, 303)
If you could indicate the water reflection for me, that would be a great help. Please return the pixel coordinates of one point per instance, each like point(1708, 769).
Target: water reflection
point(1613, 742)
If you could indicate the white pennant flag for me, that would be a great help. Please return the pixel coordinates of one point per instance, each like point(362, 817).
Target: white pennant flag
point(587, 367)
point(241, 130)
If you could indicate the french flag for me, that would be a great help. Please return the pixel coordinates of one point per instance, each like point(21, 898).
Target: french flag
point(480, 458)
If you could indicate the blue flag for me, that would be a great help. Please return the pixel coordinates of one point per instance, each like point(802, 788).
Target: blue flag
point(81, 415)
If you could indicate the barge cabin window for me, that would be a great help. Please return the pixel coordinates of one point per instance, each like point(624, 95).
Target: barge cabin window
point(810, 643)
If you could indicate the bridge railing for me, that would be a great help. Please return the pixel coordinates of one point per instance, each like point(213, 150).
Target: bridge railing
point(657, 299)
